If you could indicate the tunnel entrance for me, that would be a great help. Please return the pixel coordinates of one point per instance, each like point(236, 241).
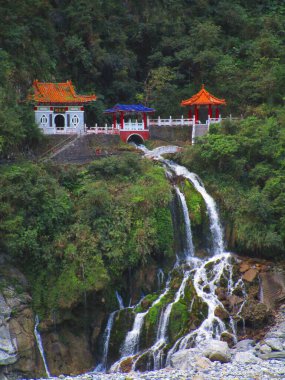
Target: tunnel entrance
point(137, 139)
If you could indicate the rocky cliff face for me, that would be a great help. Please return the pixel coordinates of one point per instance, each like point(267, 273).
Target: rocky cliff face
point(71, 338)
point(18, 350)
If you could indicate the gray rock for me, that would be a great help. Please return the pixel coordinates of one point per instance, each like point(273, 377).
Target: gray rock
point(6, 359)
point(274, 343)
point(276, 334)
point(246, 357)
point(273, 355)
point(264, 349)
point(217, 351)
point(244, 345)
point(184, 359)
point(203, 363)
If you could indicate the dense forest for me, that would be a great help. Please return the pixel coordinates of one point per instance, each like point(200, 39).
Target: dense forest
point(155, 52)
point(74, 230)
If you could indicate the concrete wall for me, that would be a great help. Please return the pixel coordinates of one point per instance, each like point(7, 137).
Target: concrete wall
point(88, 147)
point(167, 133)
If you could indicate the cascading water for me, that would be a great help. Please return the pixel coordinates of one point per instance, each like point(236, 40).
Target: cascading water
point(161, 339)
point(215, 225)
point(131, 344)
point(189, 252)
point(160, 278)
point(120, 300)
point(205, 275)
point(40, 345)
point(102, 367)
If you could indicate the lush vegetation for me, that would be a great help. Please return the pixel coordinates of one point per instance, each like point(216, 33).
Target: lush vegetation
point(157, 52)
point(75, 230)
point(243, 162)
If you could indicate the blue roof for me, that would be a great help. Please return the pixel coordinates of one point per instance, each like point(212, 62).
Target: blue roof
point(129, 108)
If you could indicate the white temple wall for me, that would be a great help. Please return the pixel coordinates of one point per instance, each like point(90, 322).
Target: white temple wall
point(45, 117)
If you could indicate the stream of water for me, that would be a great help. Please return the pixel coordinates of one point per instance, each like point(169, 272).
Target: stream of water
point(204, 280)
point(40, 345)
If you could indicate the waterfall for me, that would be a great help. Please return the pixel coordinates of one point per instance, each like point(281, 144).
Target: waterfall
point(131, 343)
point(215, 226)
point(120, 301)
point(102, 367)
point(160, 278)
point(189, 243)
point(206, 276)
point(40, 345)
point(161, 339)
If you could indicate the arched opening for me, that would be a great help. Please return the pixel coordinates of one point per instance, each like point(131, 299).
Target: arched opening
point(137, 139)
point(59, 121)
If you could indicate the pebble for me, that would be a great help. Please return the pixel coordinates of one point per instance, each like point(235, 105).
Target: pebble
point(234, 370)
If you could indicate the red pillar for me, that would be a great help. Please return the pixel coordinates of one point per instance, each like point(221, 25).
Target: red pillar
point(210, 112)
point(144, 121)
point(114, 120)
point(217, 113)
point(122, 120)
point(196, 110)
point(190, 113)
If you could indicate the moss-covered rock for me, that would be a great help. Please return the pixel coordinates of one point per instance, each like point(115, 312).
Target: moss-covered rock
point(186, 314)
point(198, 216)
point(123, 323)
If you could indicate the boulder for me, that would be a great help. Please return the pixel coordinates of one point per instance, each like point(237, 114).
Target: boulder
point(244, 266)
point(244, 345)
point(217, 351)
point(6, 359)
point(228, 337)
point(264, 349)
point(221, 293)
point(246, 357)
point(255, 313)
point(235, 300)
point(274, 343)
point(250, 275)
point(203, 363)
point(184, 359)
point(221, 313)
point(273, 355)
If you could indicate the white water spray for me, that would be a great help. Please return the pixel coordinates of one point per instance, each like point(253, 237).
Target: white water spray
point(189, 242)
point(120, 301)
point(40, 345)
point(215, 226)
point(207, 276)
point(131, 343)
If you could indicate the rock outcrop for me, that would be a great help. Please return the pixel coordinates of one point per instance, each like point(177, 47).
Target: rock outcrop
point(19, 355)
point(217, 350)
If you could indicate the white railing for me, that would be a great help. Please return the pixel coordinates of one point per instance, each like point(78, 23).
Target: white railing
point(133, 126)
point(61, 131)
point(171, 122)
point(103, 130)
point(214, 120)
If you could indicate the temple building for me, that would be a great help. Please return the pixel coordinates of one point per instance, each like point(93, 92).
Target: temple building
point(58, 109)
point(203, 99)
point(135, 130)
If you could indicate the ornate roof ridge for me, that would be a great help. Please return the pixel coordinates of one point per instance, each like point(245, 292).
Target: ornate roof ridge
point(203, 97)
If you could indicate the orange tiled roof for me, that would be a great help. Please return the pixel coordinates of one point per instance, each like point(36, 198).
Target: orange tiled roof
point(203, 97)
point(59, 93)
